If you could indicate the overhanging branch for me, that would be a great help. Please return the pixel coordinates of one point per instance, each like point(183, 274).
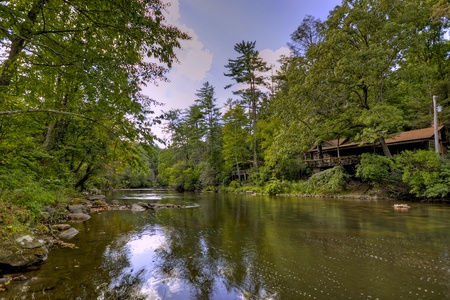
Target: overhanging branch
point(51, 111)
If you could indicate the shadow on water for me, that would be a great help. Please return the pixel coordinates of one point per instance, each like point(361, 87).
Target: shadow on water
point(250, 247)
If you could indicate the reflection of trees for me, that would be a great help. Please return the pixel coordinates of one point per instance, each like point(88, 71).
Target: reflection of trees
point(124, 282)
point(212, 250)
point(128, 286)
point(184, 258)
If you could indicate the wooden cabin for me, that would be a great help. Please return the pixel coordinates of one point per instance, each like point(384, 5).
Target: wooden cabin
point(345, 152)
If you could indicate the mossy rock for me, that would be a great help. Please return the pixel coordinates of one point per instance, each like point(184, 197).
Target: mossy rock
point(23, 251)
point(99, 203)
point(79, 200)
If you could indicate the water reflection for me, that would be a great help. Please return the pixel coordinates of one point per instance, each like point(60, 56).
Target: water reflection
point(238, 247)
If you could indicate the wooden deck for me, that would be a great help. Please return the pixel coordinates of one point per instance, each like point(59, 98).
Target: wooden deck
point(333, 161)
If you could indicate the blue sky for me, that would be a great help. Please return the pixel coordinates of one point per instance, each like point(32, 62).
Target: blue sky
point(215, 27)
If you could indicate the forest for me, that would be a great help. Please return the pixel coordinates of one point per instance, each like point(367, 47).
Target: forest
point(73, 116)
point(370, 70)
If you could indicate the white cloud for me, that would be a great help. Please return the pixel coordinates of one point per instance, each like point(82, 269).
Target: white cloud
point(194, 60)
point(272, 57)
point(172, 11)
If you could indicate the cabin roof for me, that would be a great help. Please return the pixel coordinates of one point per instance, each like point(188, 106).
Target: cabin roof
point(398, 138)
point(413, 135)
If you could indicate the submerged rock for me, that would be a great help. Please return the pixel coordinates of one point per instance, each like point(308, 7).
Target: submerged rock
point(137, 207)
point(79, 217)
point(68, 234)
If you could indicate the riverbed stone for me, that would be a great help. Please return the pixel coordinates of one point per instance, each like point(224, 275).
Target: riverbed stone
point(95, 197)
point(68, 234)
point(78, 208)
point(137, 207)
point(79, 217)
point(61, 227)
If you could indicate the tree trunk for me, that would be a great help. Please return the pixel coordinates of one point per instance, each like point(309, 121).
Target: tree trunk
point(81, 182)
point(49, 135)
point(255, 138)
point(385, 147)
point(18, 43)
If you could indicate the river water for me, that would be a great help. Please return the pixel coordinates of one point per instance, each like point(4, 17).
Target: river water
point(228, 246)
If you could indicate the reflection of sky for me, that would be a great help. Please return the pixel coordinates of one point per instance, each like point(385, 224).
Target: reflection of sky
point(146, 196)
point(143, 253)
point(142, 197)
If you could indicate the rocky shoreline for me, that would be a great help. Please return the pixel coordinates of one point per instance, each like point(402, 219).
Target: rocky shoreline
point(25, 253)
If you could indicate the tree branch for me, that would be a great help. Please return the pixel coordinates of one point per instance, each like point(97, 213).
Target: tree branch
point(51, 111)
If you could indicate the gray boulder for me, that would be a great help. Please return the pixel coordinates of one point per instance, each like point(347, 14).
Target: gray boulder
point(23, 251)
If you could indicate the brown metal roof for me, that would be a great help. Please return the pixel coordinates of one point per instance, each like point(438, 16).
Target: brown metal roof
point(413, 135)
point(401, 137)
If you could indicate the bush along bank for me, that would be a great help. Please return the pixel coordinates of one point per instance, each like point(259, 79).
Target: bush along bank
point(416, 176)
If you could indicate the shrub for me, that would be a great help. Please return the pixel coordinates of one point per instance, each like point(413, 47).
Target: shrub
point(328, 181)
point(234, 184)
point(300, 187)
point(427, 174)
point(275, 187)
point(375, 168)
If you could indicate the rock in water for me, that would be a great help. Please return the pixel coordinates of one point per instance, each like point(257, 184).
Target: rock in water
point(78, 208)
point(68, 234)
point(137, 207)
point(79, 217)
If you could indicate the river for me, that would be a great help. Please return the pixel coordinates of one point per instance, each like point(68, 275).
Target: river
point(228, 246)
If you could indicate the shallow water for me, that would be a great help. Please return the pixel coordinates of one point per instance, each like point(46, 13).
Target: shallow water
point(227, 246)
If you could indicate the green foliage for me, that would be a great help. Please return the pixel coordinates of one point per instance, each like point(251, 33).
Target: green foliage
point(275, 187)
point(376, 169)
point(328, 181)
point(234, 184)
point(425, 172)
point(379, 121)
point(235, 150)
point(71, 98)
point(247, 71)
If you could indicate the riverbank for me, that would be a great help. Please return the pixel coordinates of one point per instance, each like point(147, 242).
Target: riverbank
point(26, 245)
point(353, 189)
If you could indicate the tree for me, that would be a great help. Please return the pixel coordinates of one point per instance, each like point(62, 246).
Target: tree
point(212, 134)
point(348, 69)
point(425, 172)
point(308, 34)
point(235, 136)
point(248, 69)
point(76, 69)
point(195, 143)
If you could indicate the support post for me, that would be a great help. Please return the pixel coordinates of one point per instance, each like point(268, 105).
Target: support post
point(435, 122)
